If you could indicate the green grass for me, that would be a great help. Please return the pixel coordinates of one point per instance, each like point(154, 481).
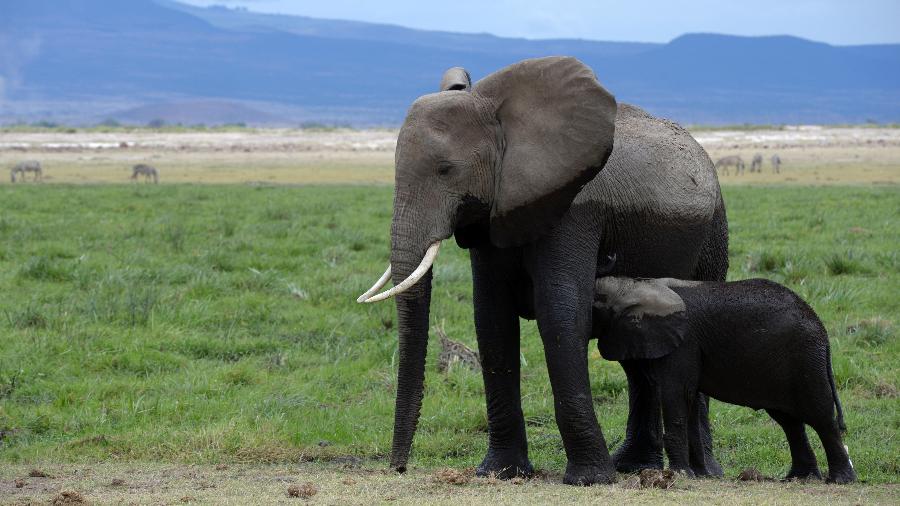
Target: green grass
point(202, 324)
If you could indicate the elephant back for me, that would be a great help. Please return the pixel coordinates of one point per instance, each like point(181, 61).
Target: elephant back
point(656, 167)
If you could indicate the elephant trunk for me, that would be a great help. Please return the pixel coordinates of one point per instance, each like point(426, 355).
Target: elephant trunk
point(413, 307)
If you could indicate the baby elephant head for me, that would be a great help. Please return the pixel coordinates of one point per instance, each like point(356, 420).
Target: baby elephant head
point(638, 318)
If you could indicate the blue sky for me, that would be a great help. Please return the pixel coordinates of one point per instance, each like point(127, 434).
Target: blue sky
point(833, 21)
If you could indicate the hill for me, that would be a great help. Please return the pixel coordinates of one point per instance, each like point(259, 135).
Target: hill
point(87, 60)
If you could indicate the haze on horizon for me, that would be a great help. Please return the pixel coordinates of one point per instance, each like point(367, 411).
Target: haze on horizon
point(836, 22)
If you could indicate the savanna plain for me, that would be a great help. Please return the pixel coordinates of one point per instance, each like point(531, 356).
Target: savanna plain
point(198, 341)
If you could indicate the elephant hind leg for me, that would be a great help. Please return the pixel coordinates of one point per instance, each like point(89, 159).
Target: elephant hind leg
point(803, 460)
point(840, 469)
point(700, 438)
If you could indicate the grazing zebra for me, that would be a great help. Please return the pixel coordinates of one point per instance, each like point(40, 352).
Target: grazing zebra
point(776, 163)
point(145, 170)
point(728, 161)
point(756, 163)
point(22, 168)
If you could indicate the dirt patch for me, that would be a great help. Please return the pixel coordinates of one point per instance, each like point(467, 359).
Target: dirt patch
point(67, 497)
point(886, 390)
point(37, 473)
point(753, 474)
point(451, 476)
point(117, 482)
point(656, 478)
point(303, 490)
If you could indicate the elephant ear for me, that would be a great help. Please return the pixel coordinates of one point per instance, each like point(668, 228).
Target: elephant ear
point(557, 123)
point(456, 78)
point(647, 318)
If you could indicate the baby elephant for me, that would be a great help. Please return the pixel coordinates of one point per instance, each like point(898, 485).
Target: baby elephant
point(753, 343)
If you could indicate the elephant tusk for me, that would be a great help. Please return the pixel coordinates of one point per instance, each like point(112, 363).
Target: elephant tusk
point(377, 286)
point(413, 278)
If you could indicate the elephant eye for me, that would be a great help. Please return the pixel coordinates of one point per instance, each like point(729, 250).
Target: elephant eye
point(444, 168)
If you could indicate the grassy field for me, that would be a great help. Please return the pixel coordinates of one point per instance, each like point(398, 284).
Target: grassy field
point(212, 324)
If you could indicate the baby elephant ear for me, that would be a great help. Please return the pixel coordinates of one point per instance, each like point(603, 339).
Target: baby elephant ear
point(456, 78)
point(558, 124)
point(648, 319)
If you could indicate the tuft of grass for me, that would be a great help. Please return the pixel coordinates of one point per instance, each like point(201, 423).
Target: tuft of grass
point(277, 214)
point(175, 235)
point(872, 331)
point(229, 227)
point(838, 265)
point(765, 262)
point(31, 315)
point(43, 268)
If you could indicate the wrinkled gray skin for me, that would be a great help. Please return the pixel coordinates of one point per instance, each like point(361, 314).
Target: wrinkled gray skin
point(756, 163)
point(729, 161)
point(717, 338)
point(776, 163)
point(25, 167)
point(149, 173)
point(510, 167)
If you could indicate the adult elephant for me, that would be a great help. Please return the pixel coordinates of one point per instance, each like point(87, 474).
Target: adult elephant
point(512, 168)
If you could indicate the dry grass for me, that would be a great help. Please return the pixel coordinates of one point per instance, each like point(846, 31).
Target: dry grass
point(265, 167)
point(830, 156)
point(170, 484)
point(818, 165)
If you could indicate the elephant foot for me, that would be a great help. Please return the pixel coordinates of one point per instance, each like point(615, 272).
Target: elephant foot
point(628, 459)
point(685, 471)
point(505, 466)
point(803, 473)
point(841, 476)
point(710, 468)
point(586, 475)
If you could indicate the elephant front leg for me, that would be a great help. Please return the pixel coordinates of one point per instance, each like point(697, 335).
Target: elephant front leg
point(642, 448)
point(497, 329)
point(563, 311)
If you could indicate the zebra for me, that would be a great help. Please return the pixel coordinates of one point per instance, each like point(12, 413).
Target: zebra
point(22, 168)
point(727, 161)
point(145, 170)
point(756, 163)
point(776, 163)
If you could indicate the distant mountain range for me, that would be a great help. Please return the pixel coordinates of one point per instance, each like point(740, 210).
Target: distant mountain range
point(84, 61)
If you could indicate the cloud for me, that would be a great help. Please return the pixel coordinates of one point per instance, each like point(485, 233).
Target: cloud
point(16, 50)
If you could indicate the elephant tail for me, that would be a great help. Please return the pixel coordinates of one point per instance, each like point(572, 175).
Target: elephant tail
point(837, 400)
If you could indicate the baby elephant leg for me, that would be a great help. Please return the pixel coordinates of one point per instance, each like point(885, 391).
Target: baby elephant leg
point(803, 460)
point(677, 406)
point(840, 469)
